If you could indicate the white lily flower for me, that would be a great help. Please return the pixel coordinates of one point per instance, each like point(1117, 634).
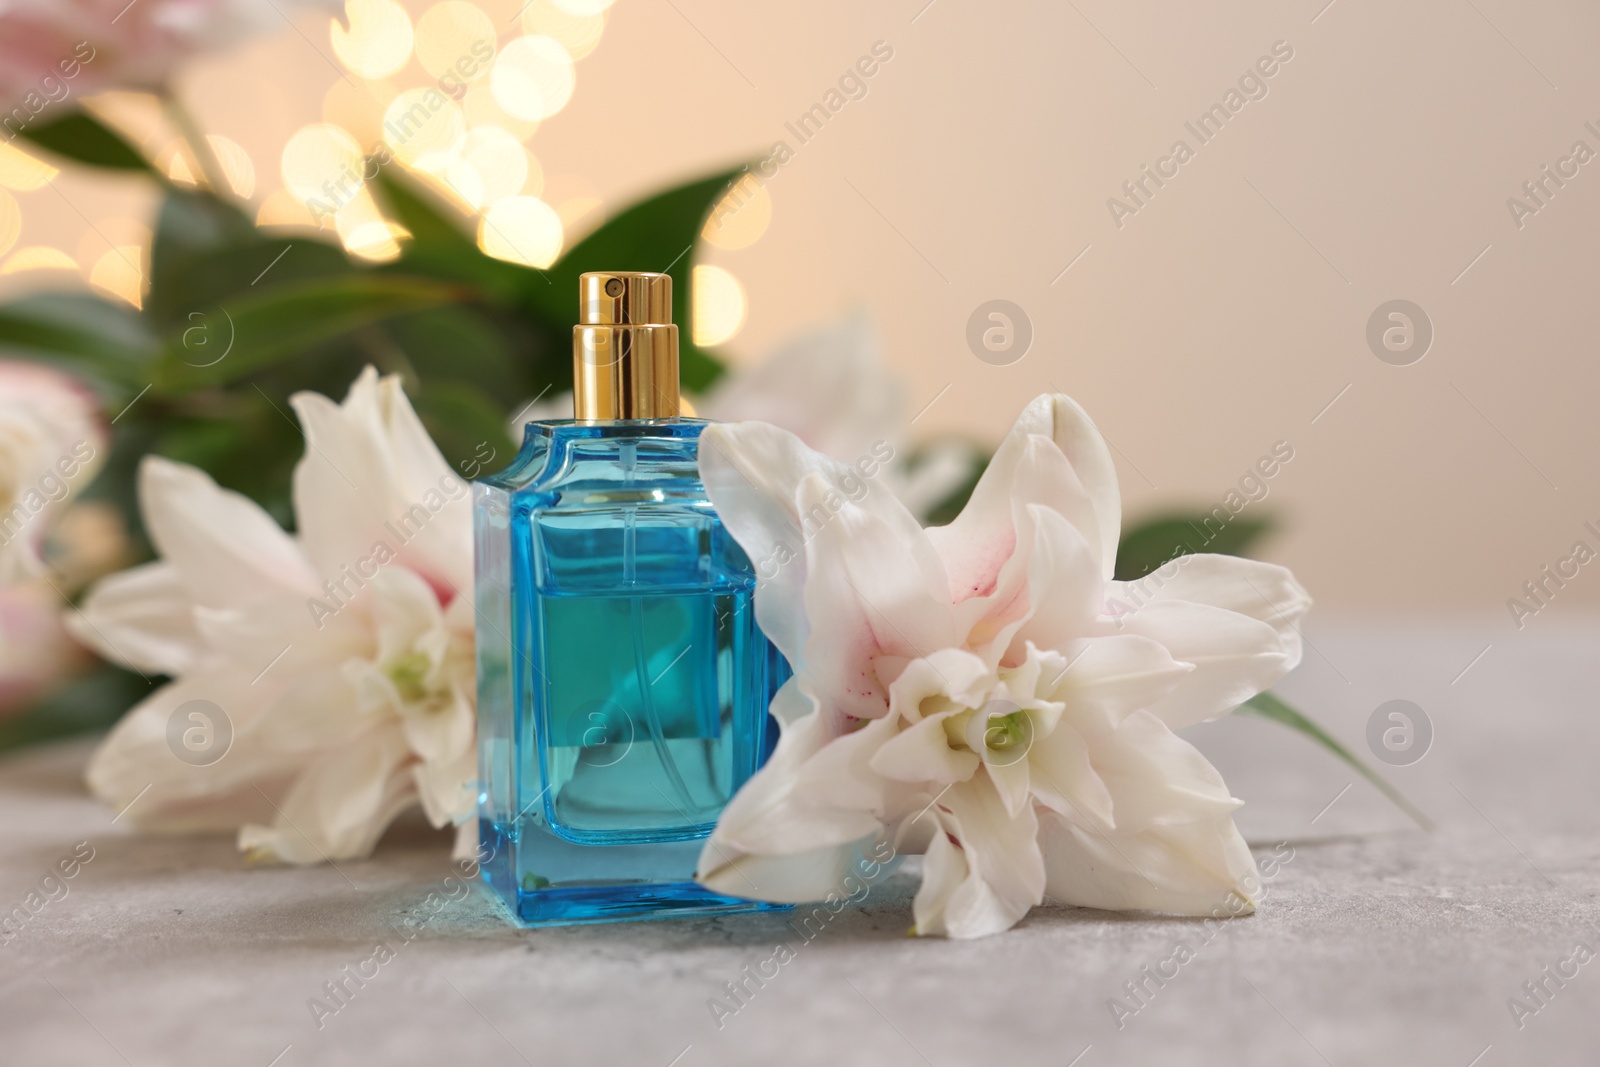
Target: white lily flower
point(830, 386)
point(833, 388)
point(984, 692)
point(336, 663)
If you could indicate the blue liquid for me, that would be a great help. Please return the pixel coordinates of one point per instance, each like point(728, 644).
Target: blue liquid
point(623, 681)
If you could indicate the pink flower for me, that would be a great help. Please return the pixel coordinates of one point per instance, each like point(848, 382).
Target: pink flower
point(52, 48)
point(36, 653)
point(52, 440)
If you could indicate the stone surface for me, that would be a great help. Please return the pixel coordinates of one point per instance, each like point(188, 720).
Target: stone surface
point(1377, 944)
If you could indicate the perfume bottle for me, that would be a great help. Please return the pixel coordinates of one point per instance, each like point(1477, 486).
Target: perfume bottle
point(623, 683)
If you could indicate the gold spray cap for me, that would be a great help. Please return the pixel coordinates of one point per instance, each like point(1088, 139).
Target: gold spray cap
point(625, 347)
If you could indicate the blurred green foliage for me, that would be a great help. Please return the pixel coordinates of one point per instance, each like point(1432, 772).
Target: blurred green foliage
point(237, 318)
point(1155, 542)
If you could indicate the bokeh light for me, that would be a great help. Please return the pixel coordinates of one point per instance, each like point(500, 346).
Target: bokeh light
point(533, 78)
point(425, 128)
point(111, 232)
point(521, 229)
point(482, 109)
point(22, 172)
point(282, 208)
point(455, 41)
point(320, 159)
point(119, 273)
point(378, 42)
point(37, 258)
point(10, 221)
point(493, 165)
point(741, 216)
point(718, 305)
point(236, 164)
point(578, 34)
point(365, 232)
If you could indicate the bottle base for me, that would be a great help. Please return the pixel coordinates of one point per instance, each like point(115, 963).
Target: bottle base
point(581, 905)
point(596, 884)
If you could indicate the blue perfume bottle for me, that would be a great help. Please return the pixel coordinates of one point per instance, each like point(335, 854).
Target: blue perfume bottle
point(623, 682)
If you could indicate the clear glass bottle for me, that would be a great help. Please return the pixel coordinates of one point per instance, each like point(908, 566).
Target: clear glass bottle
point(623, 682)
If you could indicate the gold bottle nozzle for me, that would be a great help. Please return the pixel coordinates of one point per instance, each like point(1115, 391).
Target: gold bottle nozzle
point(625, 347)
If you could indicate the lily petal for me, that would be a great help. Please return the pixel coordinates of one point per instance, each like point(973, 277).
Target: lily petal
point(142, 618)
point(1200, 868)
point(1063, 583)
point(866, 599)
point(795, 878)
point(1062, 777)
point(1263, 591)
point(1003, 873)
point(1104, 679)
point(773, 814)
point(138, 761)
point(944, 871)
point(227, 551)
point(945, 679)
point(340, 804)
point(448, 789)
point(922, 753)
point(843, 774)
point(1172, 845)
point(1083, 489)
point(372, 476)
point(1235, 657)
point(1156, 778)
point(844, 574)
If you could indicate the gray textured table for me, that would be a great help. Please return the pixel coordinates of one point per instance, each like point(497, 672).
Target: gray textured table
point(1377, 944)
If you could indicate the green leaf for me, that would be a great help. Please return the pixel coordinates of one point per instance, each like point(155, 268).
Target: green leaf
point(104, 341)
point(1270, 707)
point(420, 212)
point(1156, 542)
point(467, 425)
point(193, 223)
point(478, 346)
point(247, 438)
point(440, 247)
point(251, 334)
point(83, 703)
point(945, 511)
point(658, 234)
point(204, 278)
point(81, 137)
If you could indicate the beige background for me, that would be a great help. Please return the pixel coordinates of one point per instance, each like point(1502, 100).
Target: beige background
point(1223, 317)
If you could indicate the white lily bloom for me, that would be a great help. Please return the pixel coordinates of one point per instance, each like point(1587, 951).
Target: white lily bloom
point(984, 692)
point(337, 662)
point(830, 386)
point(833, 388)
